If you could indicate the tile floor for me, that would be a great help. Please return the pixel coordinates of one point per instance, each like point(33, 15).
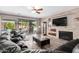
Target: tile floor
point(54, 43)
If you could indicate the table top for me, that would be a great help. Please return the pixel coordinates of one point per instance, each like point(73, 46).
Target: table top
point(40, 37)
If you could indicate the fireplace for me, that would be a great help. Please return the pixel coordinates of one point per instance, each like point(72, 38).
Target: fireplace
point(66, 35)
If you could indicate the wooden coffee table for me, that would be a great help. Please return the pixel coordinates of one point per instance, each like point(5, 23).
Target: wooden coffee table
point(41, 40)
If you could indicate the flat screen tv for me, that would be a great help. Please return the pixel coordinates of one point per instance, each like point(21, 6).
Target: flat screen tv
point(60, 21)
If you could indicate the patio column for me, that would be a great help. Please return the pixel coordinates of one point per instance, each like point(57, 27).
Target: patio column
point(16, 24)
point(0, 25)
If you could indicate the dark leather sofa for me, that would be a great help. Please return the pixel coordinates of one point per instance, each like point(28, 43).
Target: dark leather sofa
point(68, 47)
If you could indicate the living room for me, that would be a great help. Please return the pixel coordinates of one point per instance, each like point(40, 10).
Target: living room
point(44, 29)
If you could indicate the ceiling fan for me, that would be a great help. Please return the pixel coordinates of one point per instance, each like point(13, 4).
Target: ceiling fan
point(36, 9)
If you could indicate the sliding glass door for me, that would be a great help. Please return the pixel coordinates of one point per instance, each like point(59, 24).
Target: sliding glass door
point(32, 26)
point(29, 26)
point(24, 25)
point(7, 25)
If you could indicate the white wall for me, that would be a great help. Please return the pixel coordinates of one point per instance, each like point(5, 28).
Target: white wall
point(73, 24)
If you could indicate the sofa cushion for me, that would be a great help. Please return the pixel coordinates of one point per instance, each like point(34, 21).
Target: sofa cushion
point(76, 49)
point(68, 47)
point(7, 45)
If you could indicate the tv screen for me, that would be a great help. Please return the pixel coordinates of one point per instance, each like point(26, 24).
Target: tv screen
point(60, 21)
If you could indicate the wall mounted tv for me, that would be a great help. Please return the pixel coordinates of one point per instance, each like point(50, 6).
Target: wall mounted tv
point(60, 21)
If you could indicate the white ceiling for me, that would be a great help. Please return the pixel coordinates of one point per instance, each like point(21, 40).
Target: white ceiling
point(24, 11)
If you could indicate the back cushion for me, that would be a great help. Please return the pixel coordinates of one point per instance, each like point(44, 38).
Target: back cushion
point(68, 47)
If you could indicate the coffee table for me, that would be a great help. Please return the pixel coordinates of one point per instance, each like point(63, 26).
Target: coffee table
point(41, 40)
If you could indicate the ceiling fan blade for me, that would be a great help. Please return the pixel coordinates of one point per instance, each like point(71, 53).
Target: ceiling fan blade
point(38, 12)
point(40, 9)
